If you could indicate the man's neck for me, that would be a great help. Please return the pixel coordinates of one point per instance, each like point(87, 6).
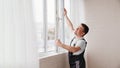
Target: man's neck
point(79, 36)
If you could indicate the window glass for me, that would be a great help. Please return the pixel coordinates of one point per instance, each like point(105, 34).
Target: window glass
point(47, 29)
point(67, 29)
point(38, 19)
point(51, 25)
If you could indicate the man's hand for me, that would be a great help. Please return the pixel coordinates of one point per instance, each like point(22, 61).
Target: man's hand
point(65, 12)
point(58, 42)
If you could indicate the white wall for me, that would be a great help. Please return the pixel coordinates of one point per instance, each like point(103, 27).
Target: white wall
point(103, 18)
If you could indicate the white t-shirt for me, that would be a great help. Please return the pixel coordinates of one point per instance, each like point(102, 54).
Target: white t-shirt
point(79, 42)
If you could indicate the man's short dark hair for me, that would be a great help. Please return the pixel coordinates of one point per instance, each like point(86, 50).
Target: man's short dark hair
point(86, 28)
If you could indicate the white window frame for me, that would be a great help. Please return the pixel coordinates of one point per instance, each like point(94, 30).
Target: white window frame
point(59, 19)
point(59, 29)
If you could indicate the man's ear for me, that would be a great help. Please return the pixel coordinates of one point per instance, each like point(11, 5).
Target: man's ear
point(83, 33)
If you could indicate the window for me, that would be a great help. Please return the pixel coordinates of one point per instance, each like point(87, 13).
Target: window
point(51, 25)
point(49, 22)
point(67, 30)
point(38, 19)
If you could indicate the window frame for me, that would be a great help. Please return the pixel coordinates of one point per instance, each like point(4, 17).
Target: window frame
point(59, 19)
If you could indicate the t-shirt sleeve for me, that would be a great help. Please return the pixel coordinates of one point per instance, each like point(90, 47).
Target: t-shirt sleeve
point(81, 44)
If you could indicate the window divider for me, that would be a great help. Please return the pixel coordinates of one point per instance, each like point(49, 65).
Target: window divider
point(45, 24)
point(60, 22)
point(56, 24)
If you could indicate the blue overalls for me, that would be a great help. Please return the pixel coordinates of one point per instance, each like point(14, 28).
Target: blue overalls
point(77, 61)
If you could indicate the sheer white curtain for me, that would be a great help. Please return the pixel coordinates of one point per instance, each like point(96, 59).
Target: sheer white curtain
point(17, 38)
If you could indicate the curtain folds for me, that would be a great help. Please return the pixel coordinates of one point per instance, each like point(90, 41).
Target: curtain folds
point(17, 36)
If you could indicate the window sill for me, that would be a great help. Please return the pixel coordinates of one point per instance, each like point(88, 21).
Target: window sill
point(49, 54)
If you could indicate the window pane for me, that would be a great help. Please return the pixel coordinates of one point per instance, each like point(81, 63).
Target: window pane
point(67, 30)
point(38, 19)
point(50, 25)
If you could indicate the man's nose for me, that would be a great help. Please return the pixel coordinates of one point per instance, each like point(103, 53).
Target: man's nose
point(77, 28)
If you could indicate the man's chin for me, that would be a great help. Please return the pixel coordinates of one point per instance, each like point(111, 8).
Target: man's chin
point(75, 33)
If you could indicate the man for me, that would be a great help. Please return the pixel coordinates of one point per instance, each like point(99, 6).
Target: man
point(77, 46)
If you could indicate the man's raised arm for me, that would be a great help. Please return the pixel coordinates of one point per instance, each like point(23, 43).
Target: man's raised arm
point(68, 20)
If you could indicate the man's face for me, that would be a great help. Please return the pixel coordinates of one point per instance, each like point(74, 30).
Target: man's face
point(79, 31)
